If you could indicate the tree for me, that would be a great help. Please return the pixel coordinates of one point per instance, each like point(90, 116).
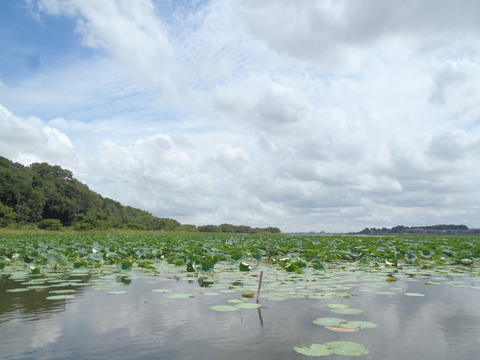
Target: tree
point(50, 224)
point(209, 228)
point(7, 215)
point(273, 230)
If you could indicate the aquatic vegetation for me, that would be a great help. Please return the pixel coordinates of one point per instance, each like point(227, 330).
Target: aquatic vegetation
point(203, 253)
point(347, 348)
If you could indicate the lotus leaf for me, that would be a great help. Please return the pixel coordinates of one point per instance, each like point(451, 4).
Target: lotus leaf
point(347, 348)
point(314, 350)
point(359, 325)
point(329, 321)
point(244, 267)
point(341, 329)
point(337, 306)
point(60, 297)
point(18, 290)
point(248, 306)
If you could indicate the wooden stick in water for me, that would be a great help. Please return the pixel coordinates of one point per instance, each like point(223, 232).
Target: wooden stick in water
point(259, 285)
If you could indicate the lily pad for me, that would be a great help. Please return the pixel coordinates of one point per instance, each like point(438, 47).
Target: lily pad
point(38, 287)
point(314, 350)
point(347, 348)
point(359, 325)
point(341, 329)
point(17, 290)
point(248, 306)
point(60, 297)
point(414, 294)
point(161, 290)
point(337, 306)
point(326, 321)
point(62, 291)
point(224, 308)
point(236, 301)
point(116, 292)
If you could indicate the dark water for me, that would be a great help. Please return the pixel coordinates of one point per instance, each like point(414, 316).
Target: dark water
point(141, 324)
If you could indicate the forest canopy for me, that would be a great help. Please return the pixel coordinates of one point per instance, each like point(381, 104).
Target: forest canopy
point(49, 197)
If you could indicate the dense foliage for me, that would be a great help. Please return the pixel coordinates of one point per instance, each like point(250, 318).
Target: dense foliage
point(50, 198)
point(431, 229)
point(202, 251)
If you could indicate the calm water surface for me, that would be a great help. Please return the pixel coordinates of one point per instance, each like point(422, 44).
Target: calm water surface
point(142, 324)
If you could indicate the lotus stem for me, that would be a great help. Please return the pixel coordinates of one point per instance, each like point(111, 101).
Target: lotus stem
point(259, 286)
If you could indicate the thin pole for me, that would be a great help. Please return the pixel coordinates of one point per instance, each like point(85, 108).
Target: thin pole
point(259, 285)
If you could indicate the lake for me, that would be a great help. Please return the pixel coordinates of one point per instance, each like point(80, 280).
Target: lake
point(423, 314)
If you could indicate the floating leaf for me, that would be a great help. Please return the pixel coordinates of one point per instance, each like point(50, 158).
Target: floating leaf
point(341, 329)
point(17, 290)
point(337, 306)
point(236, 300)
point(37, 287)
point(61, 291)
point(224, 308)
point(314, 350)
point(248, 295)
point(248, 306)
point(326, 321)
point(116, 292)
point(359, 325)
point(60, 297)
point(347, 348)
point(161, 290)
point(413, 294)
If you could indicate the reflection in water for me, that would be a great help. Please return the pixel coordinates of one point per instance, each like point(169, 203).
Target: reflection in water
point(142, 324)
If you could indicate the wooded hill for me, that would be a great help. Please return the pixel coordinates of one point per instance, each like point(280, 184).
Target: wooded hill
point(49, 197)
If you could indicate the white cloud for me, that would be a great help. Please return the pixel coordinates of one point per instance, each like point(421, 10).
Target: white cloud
point(29, 140)
point(344, 34)
point(302, 115)
point(132, 32)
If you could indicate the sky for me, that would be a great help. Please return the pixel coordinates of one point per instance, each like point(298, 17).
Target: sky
point(314, 115)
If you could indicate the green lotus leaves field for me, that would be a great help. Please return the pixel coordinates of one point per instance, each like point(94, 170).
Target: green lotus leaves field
point(37, 253)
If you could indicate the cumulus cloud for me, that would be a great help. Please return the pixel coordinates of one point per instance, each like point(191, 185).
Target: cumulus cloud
point(344, 34)
point(318, 115)
point(30, 140)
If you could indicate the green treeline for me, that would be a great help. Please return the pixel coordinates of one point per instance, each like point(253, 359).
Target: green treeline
point(228, 228)
point(49, 197)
